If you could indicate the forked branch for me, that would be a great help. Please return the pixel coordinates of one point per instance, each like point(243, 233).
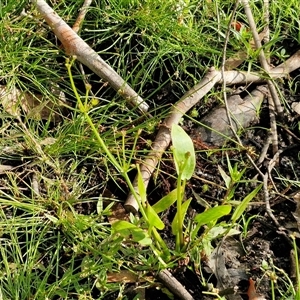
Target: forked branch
point(191, 98)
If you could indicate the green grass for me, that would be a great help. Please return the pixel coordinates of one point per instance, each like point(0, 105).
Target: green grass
point(57, 243)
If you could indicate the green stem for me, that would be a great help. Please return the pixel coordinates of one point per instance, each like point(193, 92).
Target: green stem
point(179, 235)
point(84, 109)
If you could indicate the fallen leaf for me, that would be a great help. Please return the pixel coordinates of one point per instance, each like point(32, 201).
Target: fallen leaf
point(228, 251)
point(252, 295)
point(35, 106)
point(243, 113)
point(296, 107)
point(239, 57)
point(126, 276)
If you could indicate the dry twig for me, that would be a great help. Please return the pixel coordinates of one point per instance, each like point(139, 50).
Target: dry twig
point(174, 285)
point(78, 23)
point(163, 137)
point(274, 101)
point(75, 46)
point(262, 57)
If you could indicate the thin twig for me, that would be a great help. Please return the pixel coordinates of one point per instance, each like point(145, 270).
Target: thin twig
point(174, 285)
point(267, 199)
point(273, 125)
point(265, 178)
point(273, 99)
point(75, 46)
point(262, 57)
point(228, 113)
point(78, 23)
point(264, 151)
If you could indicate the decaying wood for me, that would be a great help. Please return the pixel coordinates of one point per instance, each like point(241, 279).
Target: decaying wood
point(75, 46)
point(192, 97)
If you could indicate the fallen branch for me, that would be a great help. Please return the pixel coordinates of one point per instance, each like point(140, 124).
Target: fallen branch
point(76, 46)
point(174, 285)
point(191, 98)
point(163, 137)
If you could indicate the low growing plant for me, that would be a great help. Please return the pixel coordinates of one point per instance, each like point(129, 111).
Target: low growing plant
point(145, 229)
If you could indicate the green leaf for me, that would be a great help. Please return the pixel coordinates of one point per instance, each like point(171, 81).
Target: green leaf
point(131, 231)
point(243, 205)
point(225, 177)
point(153, 218)
point(210, 215)
point(183, 152)
point(184, 208)
point(165, 202)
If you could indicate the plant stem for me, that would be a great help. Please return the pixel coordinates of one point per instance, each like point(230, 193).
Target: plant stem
point(179, 235)
point(84, 109)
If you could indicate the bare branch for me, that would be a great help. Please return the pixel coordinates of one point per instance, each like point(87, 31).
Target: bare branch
point(163, 137)
point(262, 57)
point(76, 46)
point(191, 98)
point(174, 285)
point(78, 23)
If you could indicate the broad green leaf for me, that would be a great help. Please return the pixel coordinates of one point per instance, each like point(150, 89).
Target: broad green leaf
point(128, 230)
point(122, 227)
point(184, 152)
point(165, 202)
point(225, 177)
point(153, 218)
point(243, 205)
point(210, 215)
point(184, 208)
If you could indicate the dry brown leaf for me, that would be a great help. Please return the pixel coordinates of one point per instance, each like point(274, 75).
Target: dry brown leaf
point(239, 57)
point(252, 292)
point(126, 276)
point(34, 105)
point(117, 213)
